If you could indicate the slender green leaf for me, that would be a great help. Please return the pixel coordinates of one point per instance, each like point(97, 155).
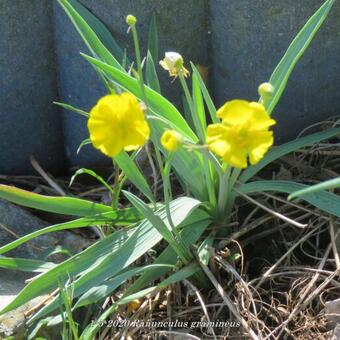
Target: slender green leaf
point(287, 148)
point(187, 112)
point(119, 217)
point(199, 113)
point(323, 200)
point(25, 265)
point(141, 239)
point(151, 74)
point(100, 29)
point(72, 108)
point(92, 41)
point(183, 274)
point(60, 205)
point(153, 38)
point(199, 221)
point(162, 227)
point(210, 104)
point(86, 141)
point(93, 174)
point(179, 276)
point(331, 184)
point(296, 49)
point(130, 169)
point(156, 101)
point(98, 293)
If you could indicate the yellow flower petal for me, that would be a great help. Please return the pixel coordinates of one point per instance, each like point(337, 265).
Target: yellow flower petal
point(217, 141)
point(117, 122)
point(235, 112)
point(238, 159)
point(260, 119)
point(259, 145)
point(242, 134)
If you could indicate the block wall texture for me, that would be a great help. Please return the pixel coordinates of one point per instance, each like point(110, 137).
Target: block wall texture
point(29, 123)
point(240, 41)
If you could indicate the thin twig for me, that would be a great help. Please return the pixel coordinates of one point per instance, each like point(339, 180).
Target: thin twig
point(227, 300)
point(301, 302)
point(231, 270)
point(204, 308)
point(46, 177)
point(274, 213)
point(9, 231)
point(334, 245)
point(266, 274)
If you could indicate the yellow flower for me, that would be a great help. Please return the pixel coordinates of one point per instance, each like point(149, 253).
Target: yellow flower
point(244, 132)
point(174, 63)
point(171, 140)
point(117, 123)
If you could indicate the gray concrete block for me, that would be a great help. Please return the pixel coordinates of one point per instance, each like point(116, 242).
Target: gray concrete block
point(181, 28)
point(15, 221)
point(248, 39)
point(29, 122)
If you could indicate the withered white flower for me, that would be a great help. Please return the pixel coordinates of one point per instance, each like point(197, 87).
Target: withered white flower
point(174, 64)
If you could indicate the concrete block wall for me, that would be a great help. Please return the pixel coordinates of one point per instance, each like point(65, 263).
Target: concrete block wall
point(240, 40)
point(29, 123)
point(248, 40)
point(182, 27)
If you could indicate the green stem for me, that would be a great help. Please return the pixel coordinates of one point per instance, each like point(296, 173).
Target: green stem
point(223, 192)
point(181, 249)
point(187, 92)
point(116, 186)
point(192, 107)
point(206, 164)
point(144, 97)
point(139, 62)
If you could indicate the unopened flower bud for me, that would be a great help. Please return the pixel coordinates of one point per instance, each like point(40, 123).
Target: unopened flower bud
point(266, 91)
point(171, 140)
point(131, 20)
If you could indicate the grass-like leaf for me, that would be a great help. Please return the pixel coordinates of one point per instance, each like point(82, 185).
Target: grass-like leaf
point(95, 45)
point(210, 104)
point(126, 248)
point(287, 148)
point(185, 273)
point(296, 49)
point(60, 205)
point(98, 293)
point(326, 201)
point(73, 109)
point(331, 184)
point(153, 43)
point(151, 74)
point(157, 102)
point(119, 217)
point(132, 172)
point(25, 265)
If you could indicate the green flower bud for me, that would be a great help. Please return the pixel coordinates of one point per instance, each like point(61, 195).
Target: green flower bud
point(131, 20)
point(266, 90)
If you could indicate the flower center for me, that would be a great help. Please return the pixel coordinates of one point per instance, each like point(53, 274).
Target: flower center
point(240, 135)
